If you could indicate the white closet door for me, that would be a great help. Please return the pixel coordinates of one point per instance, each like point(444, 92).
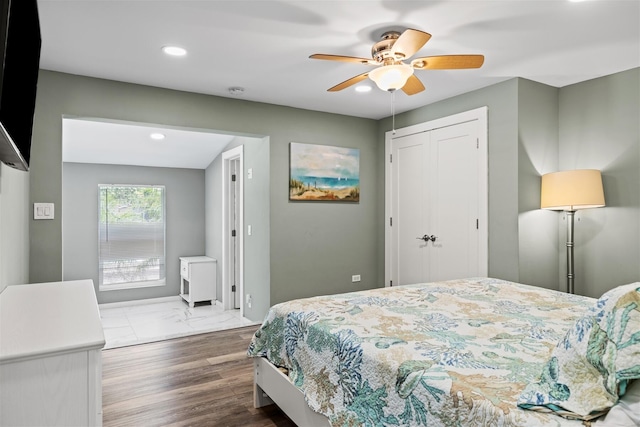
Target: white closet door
point(410, 179)
point(435, 193)
point(453, 202)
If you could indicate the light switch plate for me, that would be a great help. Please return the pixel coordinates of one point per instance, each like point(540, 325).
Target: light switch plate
point(43, 211)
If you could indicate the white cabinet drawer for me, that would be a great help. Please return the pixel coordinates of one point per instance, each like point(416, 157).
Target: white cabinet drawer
point(184, 269)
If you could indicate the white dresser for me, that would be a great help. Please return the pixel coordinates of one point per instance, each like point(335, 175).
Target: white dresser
point(51, 340)
point(197, 279)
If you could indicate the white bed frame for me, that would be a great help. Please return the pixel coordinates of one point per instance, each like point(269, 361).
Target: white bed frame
point(272, 386)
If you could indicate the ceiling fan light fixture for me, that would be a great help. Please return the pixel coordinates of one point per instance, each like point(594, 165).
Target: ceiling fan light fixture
point(363, 88)
point(391, 77)
point(392, 73)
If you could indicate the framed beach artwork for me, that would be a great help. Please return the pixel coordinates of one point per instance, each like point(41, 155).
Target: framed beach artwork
point(323, 173)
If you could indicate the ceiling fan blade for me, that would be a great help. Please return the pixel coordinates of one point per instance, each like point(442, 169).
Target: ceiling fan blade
point(448, 62)
point(410, 41)
point(343, 58)
point(413, 86)
point(350, 82)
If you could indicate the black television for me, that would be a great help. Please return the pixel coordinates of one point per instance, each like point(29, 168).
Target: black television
point(20, 43)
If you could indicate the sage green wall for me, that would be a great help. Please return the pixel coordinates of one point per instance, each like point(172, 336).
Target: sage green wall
point(185, 220)
point(537, 154)
point(600, 129)
point(256, 213)
point(502, 102)
point(535, 129)
point(314, 247)
point(257, 247)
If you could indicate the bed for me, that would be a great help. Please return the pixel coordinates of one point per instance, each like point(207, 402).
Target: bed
point(470, 352)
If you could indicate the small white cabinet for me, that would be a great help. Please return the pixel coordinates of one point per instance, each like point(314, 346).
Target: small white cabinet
point(51, 340)
point(197, 279)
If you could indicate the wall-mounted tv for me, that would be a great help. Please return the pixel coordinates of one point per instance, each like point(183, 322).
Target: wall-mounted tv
point(20, 43)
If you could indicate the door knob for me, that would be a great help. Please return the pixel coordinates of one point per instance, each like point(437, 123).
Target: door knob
point(426, 238)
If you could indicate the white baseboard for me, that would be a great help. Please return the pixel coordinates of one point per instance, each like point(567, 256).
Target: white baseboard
point(140, 302)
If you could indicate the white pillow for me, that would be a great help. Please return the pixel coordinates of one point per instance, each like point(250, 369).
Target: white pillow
point(626, 413)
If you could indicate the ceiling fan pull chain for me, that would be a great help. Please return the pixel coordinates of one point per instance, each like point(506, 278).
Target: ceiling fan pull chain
point(393, 113)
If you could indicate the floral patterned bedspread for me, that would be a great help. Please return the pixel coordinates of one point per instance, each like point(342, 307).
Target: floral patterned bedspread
point(453, 353)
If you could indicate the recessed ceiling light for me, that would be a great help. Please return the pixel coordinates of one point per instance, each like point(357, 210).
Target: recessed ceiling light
point(363, 88)
point(157, 136)
point(174, 50)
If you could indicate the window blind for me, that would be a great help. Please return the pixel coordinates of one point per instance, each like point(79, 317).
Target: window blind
point(131, 235)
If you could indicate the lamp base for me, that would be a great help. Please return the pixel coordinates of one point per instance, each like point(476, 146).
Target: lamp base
point(570, 216)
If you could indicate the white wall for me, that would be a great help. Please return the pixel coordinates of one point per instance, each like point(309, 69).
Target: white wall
point(14, 226)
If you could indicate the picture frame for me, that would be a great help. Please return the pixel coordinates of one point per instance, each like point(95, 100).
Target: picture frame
point(323, 173)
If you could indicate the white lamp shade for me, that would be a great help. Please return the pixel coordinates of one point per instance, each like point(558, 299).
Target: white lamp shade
point(391, 77)
point(572, 190)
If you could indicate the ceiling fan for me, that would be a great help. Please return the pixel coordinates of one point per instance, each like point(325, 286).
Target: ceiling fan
point(392, 73)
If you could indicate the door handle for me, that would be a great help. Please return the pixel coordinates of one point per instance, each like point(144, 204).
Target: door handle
point(426, 238)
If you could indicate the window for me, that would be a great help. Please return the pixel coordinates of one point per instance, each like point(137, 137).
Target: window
point(131, 236)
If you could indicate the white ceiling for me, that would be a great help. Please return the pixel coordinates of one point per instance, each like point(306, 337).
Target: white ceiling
point(263, 46)
point(98, 141)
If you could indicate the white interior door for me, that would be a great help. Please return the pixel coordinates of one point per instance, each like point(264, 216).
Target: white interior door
point(234, 254)
point(453, 203)
point(409, 215)
point(232, 229)
point(437, 203)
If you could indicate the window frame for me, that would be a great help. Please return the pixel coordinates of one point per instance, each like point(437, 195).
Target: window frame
point(133, 284)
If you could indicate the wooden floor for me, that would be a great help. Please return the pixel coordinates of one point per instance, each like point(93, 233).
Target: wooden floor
point(200, 380)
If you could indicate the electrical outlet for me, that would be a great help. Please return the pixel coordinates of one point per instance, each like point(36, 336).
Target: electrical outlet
point(355, 278)
point(248, 298)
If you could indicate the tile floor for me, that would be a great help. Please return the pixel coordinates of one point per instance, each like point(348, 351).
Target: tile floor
point(165, 318)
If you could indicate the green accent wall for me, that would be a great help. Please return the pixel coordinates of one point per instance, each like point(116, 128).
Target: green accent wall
point(315, 248)
point(502, 102)
point(600, 129)
point(538, 144)
point(535, 129)
point(257, 254)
